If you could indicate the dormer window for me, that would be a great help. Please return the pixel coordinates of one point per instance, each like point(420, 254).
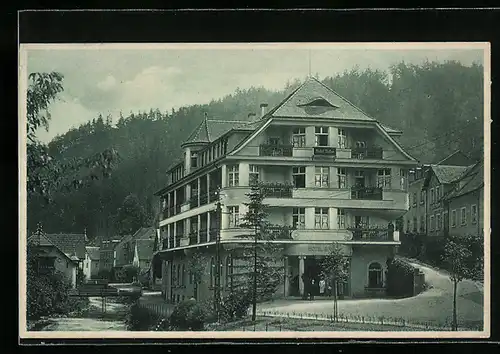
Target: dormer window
point(316, 105)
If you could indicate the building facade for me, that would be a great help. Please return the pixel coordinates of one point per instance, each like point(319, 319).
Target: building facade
point(91, 262)
point(428, 186)
point(333, 175)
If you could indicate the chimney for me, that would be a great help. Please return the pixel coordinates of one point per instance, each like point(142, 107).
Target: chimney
point(263, 109)
point(251, 116)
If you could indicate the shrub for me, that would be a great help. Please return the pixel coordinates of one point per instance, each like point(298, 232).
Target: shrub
point(130, 273)
point(104, 274)
point(400, 278)
point(188, 315)
point(140, 319)
point(235, 305)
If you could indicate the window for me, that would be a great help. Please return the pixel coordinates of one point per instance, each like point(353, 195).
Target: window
point(415, 224)
point(321, 218)
point(402, 179)
point(375, 275)
point(360, 144)
point(433, 198)
point(342, 139)
point(408, 225)
point(233, 175)
point(473, 213)
point(321, 177)
point(384, 178)
point(341, 218)
point(422, 197)
point(253, 176)
point(414, 199)
point(454, 218)
point(321, 134)
point(299, 177)
point(438, 193)
point(342, 177)
point(299, 137)
point(274, 141)
point(463, 216)
point(438, 222)
point(234, 216)
point(299, 218)
point(422, 223)
point(431, 222)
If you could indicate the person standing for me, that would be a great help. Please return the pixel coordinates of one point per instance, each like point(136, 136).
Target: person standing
point(322, 285)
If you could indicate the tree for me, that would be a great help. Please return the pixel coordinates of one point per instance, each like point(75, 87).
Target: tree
point(197, 264)
point(266, 273)
point(463, 257)
point(335, 271)
point(130, 216)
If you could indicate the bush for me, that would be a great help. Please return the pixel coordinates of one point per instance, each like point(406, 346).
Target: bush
point(104, 274)
point(235, 306)
point(400, 278)
point(130, 273)
point(140, 319)
point(188, 315)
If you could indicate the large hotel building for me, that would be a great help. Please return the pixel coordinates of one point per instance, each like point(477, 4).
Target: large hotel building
point(333, 175)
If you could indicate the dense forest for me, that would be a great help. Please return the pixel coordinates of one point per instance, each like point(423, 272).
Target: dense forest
point(438, 106)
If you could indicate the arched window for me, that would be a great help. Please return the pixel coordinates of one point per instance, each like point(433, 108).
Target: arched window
point(375, 275)
point(229, 271)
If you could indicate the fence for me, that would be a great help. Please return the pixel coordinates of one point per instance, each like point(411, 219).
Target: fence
point(160, 310)
point(403, 323)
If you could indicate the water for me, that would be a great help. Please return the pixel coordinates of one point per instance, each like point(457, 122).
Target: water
point(93, 319)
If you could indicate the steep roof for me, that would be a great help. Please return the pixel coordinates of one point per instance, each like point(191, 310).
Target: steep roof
point(93, 253)
point(145, 249)
point(41, 239)
point(448, 174)
point(144, 233)
point(316, 100)
point(391, 130)
point(456, 158)
point(70, 244)
point(473, 179)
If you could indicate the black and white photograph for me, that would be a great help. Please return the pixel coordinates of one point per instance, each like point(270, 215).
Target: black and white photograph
point(256, 190)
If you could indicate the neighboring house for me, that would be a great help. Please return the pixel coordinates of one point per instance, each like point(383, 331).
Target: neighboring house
point(70, 244)
point(143, 253)
point(465, 203)
point(125, 249)
point(107, 254)
point(428, 185)
point(334, 175)
point(51, 257)
point(91, 262)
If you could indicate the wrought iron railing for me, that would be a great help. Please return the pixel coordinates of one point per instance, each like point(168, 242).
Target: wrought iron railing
point(362, 233)
point(370, 193)
point(277, 190)
point(367, 153)
point(275, 150)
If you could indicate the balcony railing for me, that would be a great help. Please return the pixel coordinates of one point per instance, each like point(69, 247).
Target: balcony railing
point(367, 233)
point(275, 150)
point(325, 151)
point(367, 153)
point(193, 201)
point(203, 198)
point(164, 243)
point(277, 190)
point(178, 208)
point(280, 232)
point(370, 193)
point(203, 235)
point(193, 238)
point(214, 233)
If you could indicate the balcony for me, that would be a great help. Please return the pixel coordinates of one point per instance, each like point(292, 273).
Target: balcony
point(164, 243)
point(193, 238)
point(325, 152)
point(367, 153)
point(277, 190)
point(367, 233)
point(193, 201)
point(280, 232)
point(275, 150)
point(367, 193)
point(203, 235)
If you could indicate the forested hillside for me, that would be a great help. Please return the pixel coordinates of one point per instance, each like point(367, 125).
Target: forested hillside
point(439, 107)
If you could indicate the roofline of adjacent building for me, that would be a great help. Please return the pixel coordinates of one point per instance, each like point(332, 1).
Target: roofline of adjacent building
point(55, 246)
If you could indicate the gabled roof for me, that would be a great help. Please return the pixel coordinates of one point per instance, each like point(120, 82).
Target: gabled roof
point(144, 233)
point(93, 253)
point(70, 244)
point(41, 239)
point(448, 174)
point(391, 130)
point(473, 179)
point(456, 158)
point(145, 249)
point(303, 102)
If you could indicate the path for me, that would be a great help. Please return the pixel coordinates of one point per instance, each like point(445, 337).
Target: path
point(433, 306)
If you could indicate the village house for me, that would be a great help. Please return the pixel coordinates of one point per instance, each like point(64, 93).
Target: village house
point(125, 250)
point(107, 254)
point(332, 175)
point(429, 184)
point(465, 203)
point(64, 253)
point(91, 262)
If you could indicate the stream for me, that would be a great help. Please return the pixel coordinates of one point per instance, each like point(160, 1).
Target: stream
point(92, 319)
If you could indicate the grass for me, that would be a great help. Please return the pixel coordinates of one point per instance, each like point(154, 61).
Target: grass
point(270, 324)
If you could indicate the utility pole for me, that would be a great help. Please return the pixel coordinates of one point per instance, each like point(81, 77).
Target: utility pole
point(254, 300)
point(217, 256)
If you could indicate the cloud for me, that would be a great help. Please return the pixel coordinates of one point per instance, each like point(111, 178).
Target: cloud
point(107, 84)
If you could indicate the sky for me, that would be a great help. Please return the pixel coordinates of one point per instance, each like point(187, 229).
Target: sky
point(108, 79)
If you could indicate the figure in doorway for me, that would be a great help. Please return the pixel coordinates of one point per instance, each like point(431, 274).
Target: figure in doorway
point(322, 285)
point(312, 289)
point(305, 281)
